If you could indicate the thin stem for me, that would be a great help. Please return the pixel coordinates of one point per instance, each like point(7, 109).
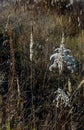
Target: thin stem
point(56, 118)
point(33, 107)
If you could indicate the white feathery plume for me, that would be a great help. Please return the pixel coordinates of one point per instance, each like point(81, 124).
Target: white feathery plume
point(62, 96)
point(62, 58)
point(69, 86)
point(18, 87)
point(63, 40)
point(31, 45)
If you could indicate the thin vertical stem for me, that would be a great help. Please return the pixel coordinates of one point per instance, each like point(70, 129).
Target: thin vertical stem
point(31, 59)
point(56, 118)
point(33, 108)
point(11, 77)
